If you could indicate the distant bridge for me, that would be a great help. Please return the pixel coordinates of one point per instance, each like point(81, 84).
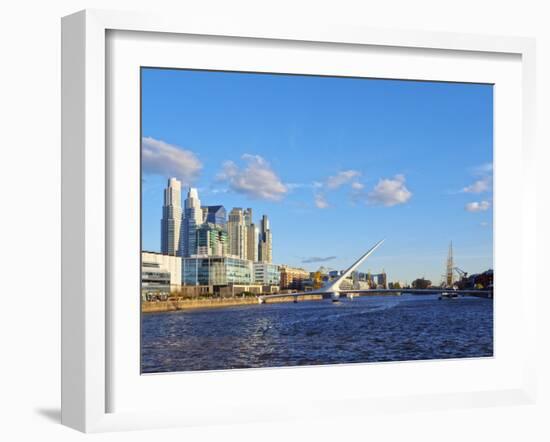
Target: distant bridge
point(350, 294)
point(333, 291)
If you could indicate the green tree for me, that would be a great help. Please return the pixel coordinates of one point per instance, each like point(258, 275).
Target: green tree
point(421, 283)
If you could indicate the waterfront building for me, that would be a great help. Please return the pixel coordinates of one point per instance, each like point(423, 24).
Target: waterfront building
point(360, 281)
point(265, 241)
point(237, 233)
point(214, 215)
point(266, 273)
point(292, 278)
point(171, 219)
point(155, 283)
point(381, 281)
point(216, 270)
point(160, 273)
point(167, 263)
point(192, 219)
point(229, 290)
point(212, 240)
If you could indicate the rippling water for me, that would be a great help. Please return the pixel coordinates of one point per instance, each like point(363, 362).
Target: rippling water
point(367, 329)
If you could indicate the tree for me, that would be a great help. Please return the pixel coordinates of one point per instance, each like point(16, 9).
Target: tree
point(396, 285)
point(421, 283)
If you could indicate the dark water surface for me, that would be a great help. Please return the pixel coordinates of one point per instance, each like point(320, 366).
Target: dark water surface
point(367, 329)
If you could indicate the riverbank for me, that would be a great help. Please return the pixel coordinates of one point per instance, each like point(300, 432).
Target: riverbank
point(191, 304)
point(207, 303)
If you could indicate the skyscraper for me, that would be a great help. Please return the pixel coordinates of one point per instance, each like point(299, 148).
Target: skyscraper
point(192, 219)
point(214, 215)
point(251, 236)
point(212, 240)
point(170, 224)
point(237, 233)
point(265, 241)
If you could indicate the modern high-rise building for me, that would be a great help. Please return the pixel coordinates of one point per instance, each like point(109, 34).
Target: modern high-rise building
point(237, 233)
point(251, 236)
point(192, 220)
point(247, 216)
point(170, 224)
point(265, 241)
point(214, 215)
point(252, 242)
point(212, 240)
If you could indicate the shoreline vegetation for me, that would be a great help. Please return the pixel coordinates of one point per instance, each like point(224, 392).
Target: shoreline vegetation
point(171, 305)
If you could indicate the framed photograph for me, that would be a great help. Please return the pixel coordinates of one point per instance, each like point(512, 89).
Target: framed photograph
point(262, 222)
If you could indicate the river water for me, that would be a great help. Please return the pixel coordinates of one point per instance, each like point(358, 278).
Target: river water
point(367, 329)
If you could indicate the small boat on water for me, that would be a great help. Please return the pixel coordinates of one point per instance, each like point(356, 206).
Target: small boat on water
point(448, 295)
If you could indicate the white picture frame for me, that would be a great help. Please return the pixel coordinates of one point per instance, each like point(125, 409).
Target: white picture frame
point(86, 316)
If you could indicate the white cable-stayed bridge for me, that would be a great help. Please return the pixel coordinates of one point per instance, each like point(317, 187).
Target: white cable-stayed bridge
point(333, 290)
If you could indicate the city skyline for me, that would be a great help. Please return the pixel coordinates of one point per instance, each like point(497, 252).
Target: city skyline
point(201, 230)
point(326, 205)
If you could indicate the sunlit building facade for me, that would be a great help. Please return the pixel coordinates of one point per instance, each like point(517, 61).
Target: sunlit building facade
point(292, 278)
point(251, 236)
point(166, 263)
point(212, 240)
point(170, 229)
point(266, 273)
point(216, 271)
point(237, 233)
point(192, 220)
point(265, 241)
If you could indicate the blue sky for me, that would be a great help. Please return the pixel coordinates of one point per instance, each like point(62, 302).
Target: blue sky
point(336, 163)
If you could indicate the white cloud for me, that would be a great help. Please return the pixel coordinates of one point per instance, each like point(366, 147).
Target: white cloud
point(294, 186)
point(483, 169)
point(313, 259)
point(483, 223)
point(320, 201)
point(479, 186)
point(167, 160)
point(334, 182)
point(390, 192)
point(341, 178)
point(478, 206)
point(256, 180)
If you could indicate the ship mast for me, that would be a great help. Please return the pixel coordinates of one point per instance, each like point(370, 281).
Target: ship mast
point(450, 265)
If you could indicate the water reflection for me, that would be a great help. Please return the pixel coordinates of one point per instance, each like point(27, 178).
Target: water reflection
point(367, 329)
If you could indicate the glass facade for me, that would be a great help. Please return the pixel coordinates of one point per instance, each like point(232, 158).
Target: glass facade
point(191, 221)
point(171, 219)
point(212, 240)
point(189, 235)
point(216, 270)
point(266, 274)
point(216, 215)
